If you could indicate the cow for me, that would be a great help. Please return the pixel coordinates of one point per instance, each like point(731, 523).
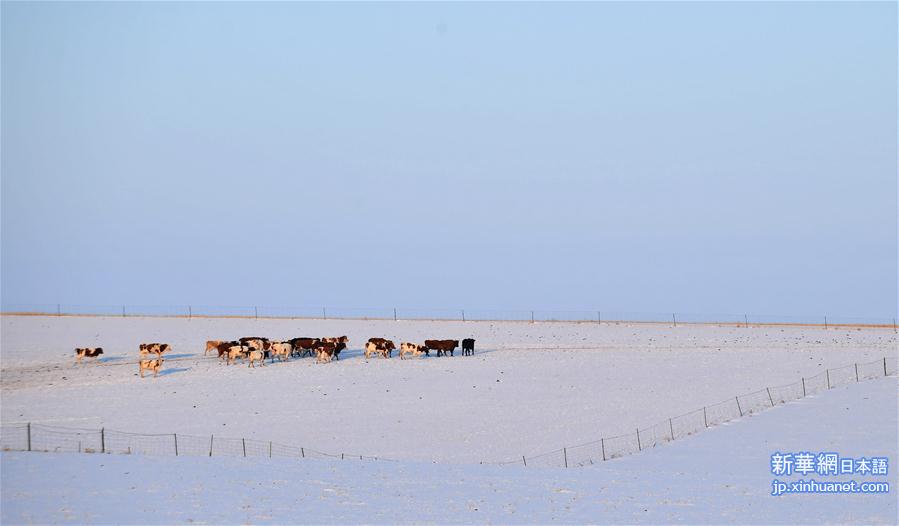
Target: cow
point(387, 345)
point(339, 346)
point(282, 350)
point(442, 346)
point(237, 351)
point(325, 351)
point(256, 355)
point(87, 352)
point(339, 341)
point(245, 339)
point(212, 344)
point(151, 365)
point(158, 348)
point(304, 346)
point(412, 348)
point(255, 343)
point(468, 347)
point(223, 347)
point(379, 346)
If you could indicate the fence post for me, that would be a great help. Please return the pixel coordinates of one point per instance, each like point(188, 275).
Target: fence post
point(828, 378)
point(211, 437)
point(856, 371)
point(532, 316)
point(671, 427)
point(825, 322)
point(102, 440)
point(123, 311)
point(639, 445)
point(341, 456)
point(674, 317)
point(176, 444)
point(394, 314)
point(602, 442)
point(523, 461)
point(302, 453)
point(244, 442)
point(737, 398)
point(769, 396)
point(894, 325)
point(190, 312)
point(885, 366)
point(565, 456)
point(324, 314)
point(463, 314)
point(745, 320)
point(256, 312)
point(599, 317)
point(803, 387)
point(705, 417)
point(29, 436)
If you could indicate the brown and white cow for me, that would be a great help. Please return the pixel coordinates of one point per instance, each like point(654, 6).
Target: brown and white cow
point(325, 351)
point(151, 365)
point(413, 349)
point(237, 351)
point(212, 344)
point(158, 348)
point(383, 345)
point(380, 346)
point(340, 342)
point(87, 352)
point(442, 346)
point(282, 350)
point(256, 355)
point(223, 347)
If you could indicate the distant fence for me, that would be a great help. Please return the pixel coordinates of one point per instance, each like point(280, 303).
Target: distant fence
point(48, 438)
point(391, 313)
point(55, 439)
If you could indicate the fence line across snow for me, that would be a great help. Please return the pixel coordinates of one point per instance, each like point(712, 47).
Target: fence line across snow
point(442, 314)
point(49, 438)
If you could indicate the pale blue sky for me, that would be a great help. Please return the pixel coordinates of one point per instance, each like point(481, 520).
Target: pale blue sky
point(698, 157)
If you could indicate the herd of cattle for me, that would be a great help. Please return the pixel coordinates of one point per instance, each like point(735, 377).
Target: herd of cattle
point(255, 350)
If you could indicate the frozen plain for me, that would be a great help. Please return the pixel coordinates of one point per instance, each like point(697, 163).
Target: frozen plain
point(721, 476)
point(529, 388)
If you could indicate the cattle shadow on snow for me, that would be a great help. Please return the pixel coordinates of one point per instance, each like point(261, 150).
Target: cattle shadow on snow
point(110, 359)
point(183, 355)
point(175, 370)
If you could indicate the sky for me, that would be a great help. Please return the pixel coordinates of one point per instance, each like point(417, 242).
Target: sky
point(641, 157)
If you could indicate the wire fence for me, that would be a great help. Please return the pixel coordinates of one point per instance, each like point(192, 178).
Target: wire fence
point(677, 427)
point(55, 439)
point(49, 438)
point(399, 313)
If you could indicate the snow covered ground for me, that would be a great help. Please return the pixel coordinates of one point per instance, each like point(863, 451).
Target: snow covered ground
point(529, 388)
point(719, 476)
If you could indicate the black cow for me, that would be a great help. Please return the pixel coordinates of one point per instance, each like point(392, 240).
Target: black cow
point(468, 347)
